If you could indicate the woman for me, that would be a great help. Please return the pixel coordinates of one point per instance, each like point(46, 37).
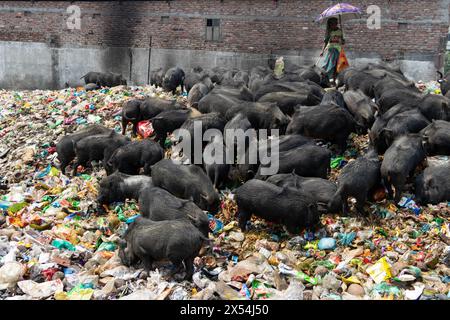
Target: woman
point(333, 41)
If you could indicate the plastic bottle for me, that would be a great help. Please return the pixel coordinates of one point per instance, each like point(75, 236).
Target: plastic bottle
point(297, 274)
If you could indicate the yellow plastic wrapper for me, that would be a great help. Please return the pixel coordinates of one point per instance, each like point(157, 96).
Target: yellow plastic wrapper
point(273, 260)
point(392, 208)
point(380, 271)
point(351, 279)
point(230, 226)
point(311, 245)
point(81, 294)
point(54, 172)
point(61, 295)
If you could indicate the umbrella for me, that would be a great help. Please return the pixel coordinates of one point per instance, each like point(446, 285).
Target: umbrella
point(343, 11)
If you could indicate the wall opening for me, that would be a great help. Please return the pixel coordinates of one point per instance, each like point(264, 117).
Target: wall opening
point(212, 29)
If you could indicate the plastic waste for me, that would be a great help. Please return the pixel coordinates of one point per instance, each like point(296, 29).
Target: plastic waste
point(346, 238)
point(10, 273)
point(327, 244)
point(80, 292)
point(145, 129)
point(385, 289)
point(331, 282)
point(380, 271)
point(245, 291)
point(63, 244)
point(179, 294)
point(40, 290)
point(107, 246)
point(338, 162)
point(284, 269)
point(142, 294)
point(51, 224)
point(215, 224)
point(410, 204)
point(293, 292)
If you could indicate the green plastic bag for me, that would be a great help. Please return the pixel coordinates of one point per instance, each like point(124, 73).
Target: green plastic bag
point(16, 207)
point(336, 162)
point(63, 244)
point(107, 246)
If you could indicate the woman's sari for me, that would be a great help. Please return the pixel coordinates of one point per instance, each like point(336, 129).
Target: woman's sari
point(334, 41)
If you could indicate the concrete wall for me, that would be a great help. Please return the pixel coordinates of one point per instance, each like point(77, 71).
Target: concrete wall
point(31, 65)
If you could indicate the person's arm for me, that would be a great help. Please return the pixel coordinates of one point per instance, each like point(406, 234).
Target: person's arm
point(325, 45)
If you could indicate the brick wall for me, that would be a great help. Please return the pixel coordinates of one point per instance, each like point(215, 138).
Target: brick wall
point(257, 26)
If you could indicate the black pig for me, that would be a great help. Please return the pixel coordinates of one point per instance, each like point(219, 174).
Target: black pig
point(148, 241)
point(65, 147)
point(401, 159)
point(186, 182)
point(131, 157)
point(281, 205)
point(356, 179)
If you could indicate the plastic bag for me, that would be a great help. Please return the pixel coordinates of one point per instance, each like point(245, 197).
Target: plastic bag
point(342, 62)
point(410, 204)
point(40, 290)
point(215, 224)
point(107, 246)
point(80, 292)
point(10, 273)
point(327, 244)
point(63, 244)
point(145, 129)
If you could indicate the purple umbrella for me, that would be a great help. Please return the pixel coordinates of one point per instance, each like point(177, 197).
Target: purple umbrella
point(341, 10)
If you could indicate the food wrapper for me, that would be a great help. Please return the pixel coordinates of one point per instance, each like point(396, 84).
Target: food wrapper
point(380, 271)
point(351, 279)
point(410, 204)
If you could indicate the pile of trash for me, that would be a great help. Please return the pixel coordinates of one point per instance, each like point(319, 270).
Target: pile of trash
point(54, 245)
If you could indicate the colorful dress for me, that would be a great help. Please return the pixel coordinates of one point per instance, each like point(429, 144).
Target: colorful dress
point(334, 40)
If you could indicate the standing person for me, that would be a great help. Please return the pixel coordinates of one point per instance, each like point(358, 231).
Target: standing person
point(334, 40)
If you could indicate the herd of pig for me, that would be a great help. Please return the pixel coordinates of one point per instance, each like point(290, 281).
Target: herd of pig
point(404, 127)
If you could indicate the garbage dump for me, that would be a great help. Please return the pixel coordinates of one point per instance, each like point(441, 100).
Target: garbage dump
point(56, 245)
